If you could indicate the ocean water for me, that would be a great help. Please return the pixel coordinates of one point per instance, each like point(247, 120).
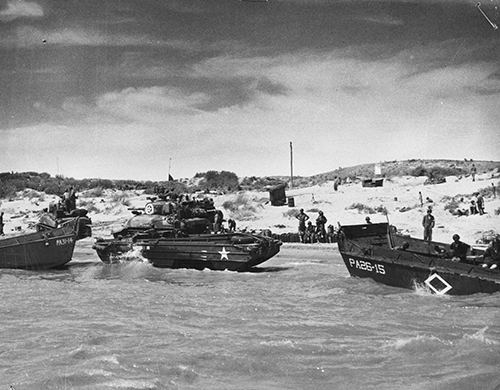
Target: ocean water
point(301, 322)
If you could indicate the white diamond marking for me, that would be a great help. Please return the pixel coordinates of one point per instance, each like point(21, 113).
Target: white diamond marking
point(438, 292)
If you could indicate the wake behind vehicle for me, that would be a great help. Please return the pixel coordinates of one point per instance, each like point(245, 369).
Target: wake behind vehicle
point(375, 251)
point(186, 234)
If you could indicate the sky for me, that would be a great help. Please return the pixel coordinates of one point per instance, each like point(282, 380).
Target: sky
point(135, 89)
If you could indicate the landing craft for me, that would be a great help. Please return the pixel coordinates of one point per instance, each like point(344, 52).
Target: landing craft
point(52, 244)
point(375, 251)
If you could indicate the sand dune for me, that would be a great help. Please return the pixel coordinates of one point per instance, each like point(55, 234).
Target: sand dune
point(399, 196)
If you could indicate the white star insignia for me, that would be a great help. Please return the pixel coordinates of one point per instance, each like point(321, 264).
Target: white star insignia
point(223, 253)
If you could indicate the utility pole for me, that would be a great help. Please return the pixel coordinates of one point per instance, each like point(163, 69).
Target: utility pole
point(291, 165)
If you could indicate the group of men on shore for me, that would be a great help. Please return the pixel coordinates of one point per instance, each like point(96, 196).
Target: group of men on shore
point(309, 233)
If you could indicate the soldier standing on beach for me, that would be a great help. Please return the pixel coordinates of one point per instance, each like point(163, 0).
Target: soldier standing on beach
point(480, 203)
point(302, 217)
point(320, 226)
point(420, 198)
point(310, 235)
point(428, 223)
point(472, 207)
point(473, 172)
point(336, 183)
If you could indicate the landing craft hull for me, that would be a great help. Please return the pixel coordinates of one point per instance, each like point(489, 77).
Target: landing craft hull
point(368, 252)
point(232, 251)
point(40, 250)
point(441, 280)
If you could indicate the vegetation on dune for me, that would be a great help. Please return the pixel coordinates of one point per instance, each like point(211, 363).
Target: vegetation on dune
point(12, 182)
point(89, 205)
point(260, 183)
point(362, 208)
point(217, 181)
point(291, 213)
point(242, 208)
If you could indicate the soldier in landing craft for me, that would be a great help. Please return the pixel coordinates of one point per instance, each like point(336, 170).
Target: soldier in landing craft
point(491, 257)
point(458, 249)
point(428, 223)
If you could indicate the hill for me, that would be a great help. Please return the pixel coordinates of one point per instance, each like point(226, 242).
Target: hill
point(414, 167)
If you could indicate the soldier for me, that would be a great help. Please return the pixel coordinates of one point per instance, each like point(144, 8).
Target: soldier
point(368, 220)
point(72, 199)
point(473, 172)
point(218, 218)
point(480, 203)
point(309, 235)
point(428, 223)
point(320, 226)
point(472, 207)
point(336, 183)
point(66, 201)
point(302, 217)
point(458, 249)
point(1, 224)
point(330, 234)
point(231, 224)
point(492, 253)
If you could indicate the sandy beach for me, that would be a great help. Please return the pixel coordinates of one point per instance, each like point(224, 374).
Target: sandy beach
point(349, 205)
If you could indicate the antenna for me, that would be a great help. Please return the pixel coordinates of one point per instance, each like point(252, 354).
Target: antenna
point(291, 165)
point(495, 27)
